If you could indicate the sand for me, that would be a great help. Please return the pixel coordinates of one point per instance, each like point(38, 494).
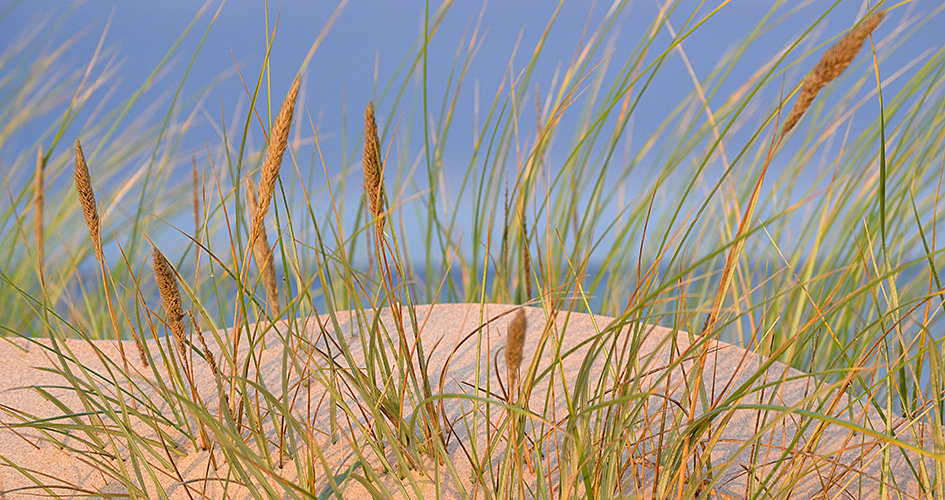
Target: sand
point(468, 340)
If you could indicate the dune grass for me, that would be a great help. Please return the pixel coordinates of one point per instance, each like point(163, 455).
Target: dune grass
point(802, 227)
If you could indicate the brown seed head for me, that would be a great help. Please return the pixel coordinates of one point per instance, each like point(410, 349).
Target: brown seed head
point(373, 170)
point(251, 202)
point(83, 185)
point(833, 63)
point(278, 139)
point(211, 360)
point(170, 297)
point(263, 254)
point(513, 345)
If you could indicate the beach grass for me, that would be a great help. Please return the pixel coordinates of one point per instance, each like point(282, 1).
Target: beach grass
point(795, 216)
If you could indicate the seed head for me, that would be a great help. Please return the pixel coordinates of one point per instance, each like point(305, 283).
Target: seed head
point(263, 253)
point(278, 139)
point(170, 297)
point(83, 185)
point(513, 345)
point(373, 170)
point(833, 63)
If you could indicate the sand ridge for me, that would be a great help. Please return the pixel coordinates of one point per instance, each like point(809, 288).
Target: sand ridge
point(460, 341)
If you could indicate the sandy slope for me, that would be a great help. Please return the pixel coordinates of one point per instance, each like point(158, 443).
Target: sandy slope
point(845, 463)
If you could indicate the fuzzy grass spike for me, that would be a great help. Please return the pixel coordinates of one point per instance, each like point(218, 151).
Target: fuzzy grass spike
point(833, 63)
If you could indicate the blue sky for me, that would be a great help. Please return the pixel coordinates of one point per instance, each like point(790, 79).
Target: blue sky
point(374, 37)
point(343, 68)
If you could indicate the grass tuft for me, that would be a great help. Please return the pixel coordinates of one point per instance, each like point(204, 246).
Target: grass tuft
point(368, 384)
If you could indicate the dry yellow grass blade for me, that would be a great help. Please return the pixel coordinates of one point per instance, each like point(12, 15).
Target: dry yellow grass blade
point(833, 63)
point(196, 201)
point(373, 170)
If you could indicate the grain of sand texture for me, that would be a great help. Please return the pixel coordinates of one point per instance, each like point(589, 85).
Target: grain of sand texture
point(846, 464)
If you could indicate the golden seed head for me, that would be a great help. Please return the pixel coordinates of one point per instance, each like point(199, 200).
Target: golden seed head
point(278, 140)
point(83, 186)
point(373, 170)
point(211, 360)
point(514, 343)
point(170, 297)
point(833, 63)
point(251, 202)
point(263, 253)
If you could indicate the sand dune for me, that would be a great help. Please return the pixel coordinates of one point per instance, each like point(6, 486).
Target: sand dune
point(467, 338)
